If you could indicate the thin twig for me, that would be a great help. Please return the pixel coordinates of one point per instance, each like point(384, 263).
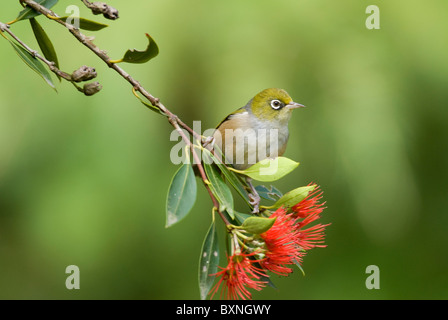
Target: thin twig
point(172, 118)
point(103, 56)
point(51, 65)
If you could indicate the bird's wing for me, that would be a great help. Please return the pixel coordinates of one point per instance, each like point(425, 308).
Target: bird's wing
point(240, 110)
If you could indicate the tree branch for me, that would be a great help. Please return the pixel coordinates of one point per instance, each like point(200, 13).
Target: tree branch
point(82, 74)
point(51, 65)
point(172, 118)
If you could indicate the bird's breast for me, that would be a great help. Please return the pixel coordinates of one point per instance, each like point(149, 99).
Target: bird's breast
point(245, 141)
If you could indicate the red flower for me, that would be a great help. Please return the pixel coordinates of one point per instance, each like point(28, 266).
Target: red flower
point(310, 205)
point(239, 274)
point(312, 237)
point(309, 209)
point(283, 245)
point(280, 240)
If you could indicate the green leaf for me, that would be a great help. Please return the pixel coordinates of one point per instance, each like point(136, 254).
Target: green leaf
point(300, 267)
point(267, 279)
point(263, 277)
point(258, 225)
point(86, 24)
point(208, 262)
point(293, 197)
point(219, 189)
point(33, 63)
point(44, 43)
point(135, 56)
point(269, 194)
point(29, 13)
point(231, 176)
point(240, 217)
point(181, 195)
point(270, 169)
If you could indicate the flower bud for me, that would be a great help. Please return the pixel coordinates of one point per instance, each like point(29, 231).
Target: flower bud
point(98, 7)
point(111, 13)
point(91, 88)
point(102, 8)
point(84, 74)
point(257, 225)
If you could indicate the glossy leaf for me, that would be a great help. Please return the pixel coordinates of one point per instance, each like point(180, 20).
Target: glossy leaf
point(299, 266)
point(293, 197)
point(29, 13)
point(240, 217)
point(44, 42)
point(208, 262)
point(270, 169)
point(136, 56)
point(181, 195)
point(219, 189)
point(268, 281)
point(86, 24)
point(263, 277)
point(269, 194)
point(258, 225)
point(231, 177)
point(33, 63)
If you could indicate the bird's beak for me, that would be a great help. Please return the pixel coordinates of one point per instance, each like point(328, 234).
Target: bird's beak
point(294, 105)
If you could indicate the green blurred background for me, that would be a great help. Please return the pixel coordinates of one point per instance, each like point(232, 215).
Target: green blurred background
point(83, 180)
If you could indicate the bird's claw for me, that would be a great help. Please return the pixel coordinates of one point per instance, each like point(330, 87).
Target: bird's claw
point(208, 140)
point(254, 200)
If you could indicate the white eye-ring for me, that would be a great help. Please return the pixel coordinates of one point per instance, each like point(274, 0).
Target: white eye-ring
point(276, 104)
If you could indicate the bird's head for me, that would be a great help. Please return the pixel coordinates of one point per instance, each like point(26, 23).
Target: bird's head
point(273, 105)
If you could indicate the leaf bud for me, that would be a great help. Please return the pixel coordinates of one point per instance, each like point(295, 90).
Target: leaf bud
point(84, 74)
point(257, 225)
point(103, 8)
point(91, 88)
point(111, 13)
point(98, 7)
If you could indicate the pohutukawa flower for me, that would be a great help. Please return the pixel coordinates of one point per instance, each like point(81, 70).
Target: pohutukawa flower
point(313, 237)
point(276, 250)
point(280, 241)
point(239, 275)
point(310, 205)
point(309, 209)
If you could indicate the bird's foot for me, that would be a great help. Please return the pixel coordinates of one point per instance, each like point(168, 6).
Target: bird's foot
point(208, 140)
point(254, 200)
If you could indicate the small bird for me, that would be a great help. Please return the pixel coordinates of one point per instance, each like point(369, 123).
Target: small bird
point(257, 131)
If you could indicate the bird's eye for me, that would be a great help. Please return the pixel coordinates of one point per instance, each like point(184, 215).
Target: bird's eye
point(276, 104)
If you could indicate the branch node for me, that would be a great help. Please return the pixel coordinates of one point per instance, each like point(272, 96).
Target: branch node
point(4, 26)
point(172, 118)
point(84, 74)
